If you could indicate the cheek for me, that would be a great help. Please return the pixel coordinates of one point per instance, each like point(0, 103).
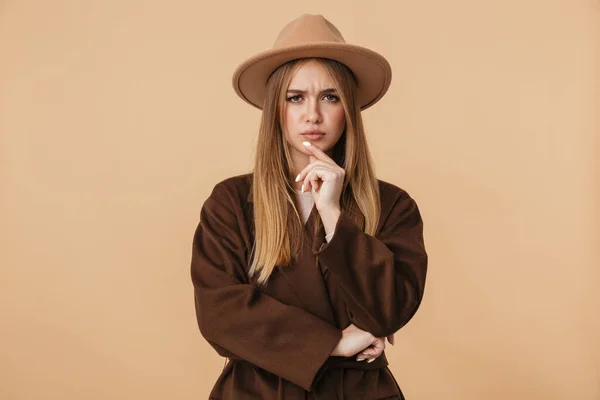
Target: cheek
point(338, 118)
point(289, 124)
point(290, 118)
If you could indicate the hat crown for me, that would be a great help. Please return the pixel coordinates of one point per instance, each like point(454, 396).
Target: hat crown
point(308, 28)
point(313, 36)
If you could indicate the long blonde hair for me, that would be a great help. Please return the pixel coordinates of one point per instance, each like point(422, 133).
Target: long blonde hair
point(279, 237)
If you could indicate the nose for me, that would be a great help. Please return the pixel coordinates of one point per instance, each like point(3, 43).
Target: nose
point(313, 113)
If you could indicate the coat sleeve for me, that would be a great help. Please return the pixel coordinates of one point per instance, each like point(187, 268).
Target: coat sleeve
point(381, 278)
point(236, 318)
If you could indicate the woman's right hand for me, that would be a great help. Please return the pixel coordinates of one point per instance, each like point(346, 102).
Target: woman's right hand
point(355, 340)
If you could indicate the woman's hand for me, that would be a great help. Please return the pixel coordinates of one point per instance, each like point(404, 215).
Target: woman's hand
point(355, 340)
point(322, 168)
point(373, 351)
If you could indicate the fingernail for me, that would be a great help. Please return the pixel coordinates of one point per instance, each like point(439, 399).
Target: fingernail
point(306, 143)
point(371, 360)
point(302, 188)
point(359, 359)
point(298, 178)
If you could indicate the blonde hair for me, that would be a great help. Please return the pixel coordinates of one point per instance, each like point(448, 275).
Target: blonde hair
point(279, 237)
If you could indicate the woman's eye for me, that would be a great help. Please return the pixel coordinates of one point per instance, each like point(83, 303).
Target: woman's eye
point(329, 97)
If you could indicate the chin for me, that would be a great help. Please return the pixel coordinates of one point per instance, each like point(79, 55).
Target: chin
point(320, 146)
point(321, 143)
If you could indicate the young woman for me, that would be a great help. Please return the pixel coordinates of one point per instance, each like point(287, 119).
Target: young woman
point(304, 266)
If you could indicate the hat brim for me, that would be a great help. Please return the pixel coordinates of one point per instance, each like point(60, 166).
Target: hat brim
point(372, 70)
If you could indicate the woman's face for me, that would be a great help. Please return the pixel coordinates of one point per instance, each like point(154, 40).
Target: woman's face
point(312, 105)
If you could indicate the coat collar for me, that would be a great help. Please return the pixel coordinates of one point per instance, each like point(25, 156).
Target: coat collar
point(318, 236)
point(304, 276)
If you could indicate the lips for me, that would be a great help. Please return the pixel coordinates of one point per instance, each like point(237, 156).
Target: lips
point(312, 133)
point(313, 137)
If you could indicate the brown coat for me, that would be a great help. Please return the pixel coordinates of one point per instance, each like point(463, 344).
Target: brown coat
point(279, 338)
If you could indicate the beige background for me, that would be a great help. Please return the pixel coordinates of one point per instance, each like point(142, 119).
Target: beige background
point(117, 119)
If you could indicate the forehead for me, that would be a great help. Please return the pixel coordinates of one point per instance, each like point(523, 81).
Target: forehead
point(310, 74)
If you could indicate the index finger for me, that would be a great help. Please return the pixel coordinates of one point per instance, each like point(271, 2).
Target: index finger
point(320, 154)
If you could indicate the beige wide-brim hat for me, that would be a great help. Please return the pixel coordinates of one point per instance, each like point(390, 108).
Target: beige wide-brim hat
point(313, 36)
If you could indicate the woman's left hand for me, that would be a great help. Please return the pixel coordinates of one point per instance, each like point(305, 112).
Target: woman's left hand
point(373, 351)
point(324, 178)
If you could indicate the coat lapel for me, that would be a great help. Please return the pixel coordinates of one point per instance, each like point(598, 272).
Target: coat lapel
point(304, 276)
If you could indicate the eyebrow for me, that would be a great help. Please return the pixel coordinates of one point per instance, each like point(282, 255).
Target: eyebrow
point(328, 90)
